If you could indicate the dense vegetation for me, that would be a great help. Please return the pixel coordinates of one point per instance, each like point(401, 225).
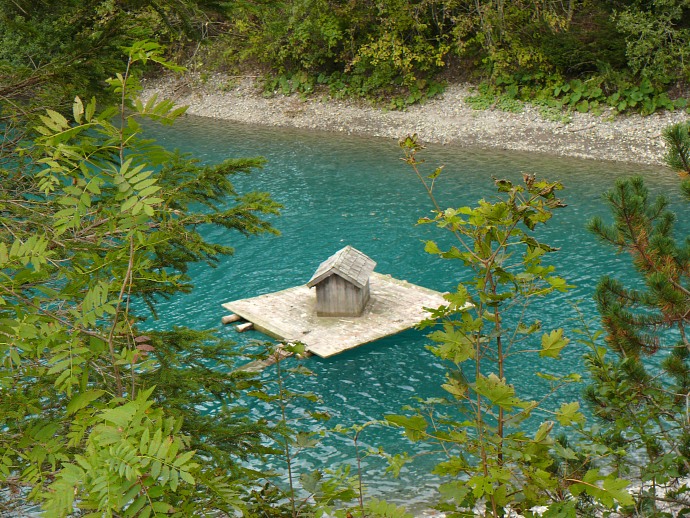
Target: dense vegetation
point(582, 54)
point(94, 220)
point(530, 49)
point(99, 416)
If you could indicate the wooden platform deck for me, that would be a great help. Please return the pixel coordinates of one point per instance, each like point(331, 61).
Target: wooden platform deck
point(290, 315)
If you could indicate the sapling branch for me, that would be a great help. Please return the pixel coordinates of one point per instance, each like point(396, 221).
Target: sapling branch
point(492, 237)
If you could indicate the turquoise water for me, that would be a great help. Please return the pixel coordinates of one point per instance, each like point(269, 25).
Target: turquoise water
point(340, 190)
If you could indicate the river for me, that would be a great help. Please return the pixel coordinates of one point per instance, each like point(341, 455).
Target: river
point(340, 190)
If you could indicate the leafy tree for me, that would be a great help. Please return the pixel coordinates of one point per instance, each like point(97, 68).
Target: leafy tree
point(357, 48)
point(490, 461)
point(657, 34)
point(641, 375)
point(96, 223)
point(51, 51)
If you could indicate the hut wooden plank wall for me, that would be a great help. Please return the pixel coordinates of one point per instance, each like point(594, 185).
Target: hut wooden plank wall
point(336, 297)
point(342, 283)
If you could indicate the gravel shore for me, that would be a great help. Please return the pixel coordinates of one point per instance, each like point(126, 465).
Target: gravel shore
point(445, 119)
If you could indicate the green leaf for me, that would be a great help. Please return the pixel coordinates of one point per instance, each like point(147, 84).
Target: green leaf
point(566, 453)
point(414, 426)
point(120, 416)
point(60, 366)
point(156, 467)
point(144, 441)
point(129, 203)
point(149, 190)
point(504, 185)
point(187, 477)
point(497, 391)
point(611, 490)
point(132, 510)
point(162, 507)
point(140, 179)
point(456, 385)
point(83, 399)
point(582, 106)
point(455, 490)
point(616, 488)
point(431, 247)
point(306, 440)
point(58, 120)
point(435, 174)
point(558, 283)
point(561, 510)
point(481, 485)
point(174, 479)
point(129, 496)
point(184, 458)
point(77, 110)
point(93, 186)
point(125, 167)
point(569, 414)
point(459, 298)
point(90, 109)
point(165, 474)
point(543, 431)
point(162, 452)
point(552, 344)
point(379, 508)
point(455, 345)
point(311, 481)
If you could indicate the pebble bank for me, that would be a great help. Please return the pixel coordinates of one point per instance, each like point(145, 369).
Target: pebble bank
point(445, 119)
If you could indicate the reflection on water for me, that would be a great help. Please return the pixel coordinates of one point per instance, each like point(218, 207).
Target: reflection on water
point(340, 190)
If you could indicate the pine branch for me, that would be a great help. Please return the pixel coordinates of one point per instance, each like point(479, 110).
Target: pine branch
point(677, 138)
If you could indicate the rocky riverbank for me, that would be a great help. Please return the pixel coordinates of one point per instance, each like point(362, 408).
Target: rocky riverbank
point(446, 119)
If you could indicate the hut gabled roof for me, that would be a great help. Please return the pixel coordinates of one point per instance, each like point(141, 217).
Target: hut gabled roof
point(349, 263)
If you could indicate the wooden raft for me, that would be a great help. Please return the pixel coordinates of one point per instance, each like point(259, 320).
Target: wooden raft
point(290, 315)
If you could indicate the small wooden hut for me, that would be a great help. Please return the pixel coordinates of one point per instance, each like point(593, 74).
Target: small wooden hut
point(342, 283)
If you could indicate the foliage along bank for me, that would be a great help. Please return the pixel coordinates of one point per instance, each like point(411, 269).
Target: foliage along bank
point(573, 54)
point(626, 53)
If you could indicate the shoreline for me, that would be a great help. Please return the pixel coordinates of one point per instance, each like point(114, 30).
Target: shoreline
point(445, 119)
